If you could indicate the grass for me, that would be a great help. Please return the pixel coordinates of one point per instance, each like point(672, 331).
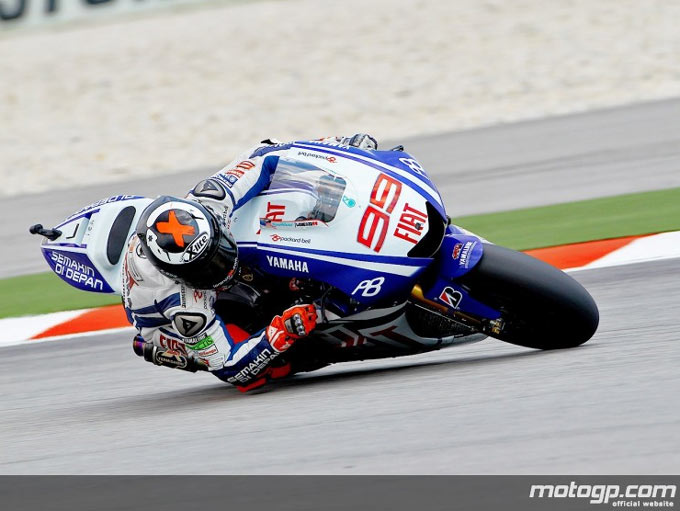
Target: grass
point(45, 292)
point(522, 229)
point(573, 222)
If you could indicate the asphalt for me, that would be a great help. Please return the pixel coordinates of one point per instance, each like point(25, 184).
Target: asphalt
point(532, 163)
point(91, 406)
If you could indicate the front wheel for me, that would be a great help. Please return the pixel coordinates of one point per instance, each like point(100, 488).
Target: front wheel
point(542, 307)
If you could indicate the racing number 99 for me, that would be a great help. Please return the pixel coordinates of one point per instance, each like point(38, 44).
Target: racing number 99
point(376, 219)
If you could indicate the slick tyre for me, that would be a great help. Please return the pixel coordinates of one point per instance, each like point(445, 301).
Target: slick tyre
point(543, 307)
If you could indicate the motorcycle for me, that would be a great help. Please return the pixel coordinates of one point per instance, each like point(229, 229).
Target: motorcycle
point(365, 236)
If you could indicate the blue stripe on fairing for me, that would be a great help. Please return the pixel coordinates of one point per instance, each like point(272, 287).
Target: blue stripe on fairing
point(87, 214)
point(404, 261)
point(436, 201)
point(71, 245)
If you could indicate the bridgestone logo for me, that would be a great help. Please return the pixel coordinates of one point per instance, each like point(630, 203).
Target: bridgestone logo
point(606, 493)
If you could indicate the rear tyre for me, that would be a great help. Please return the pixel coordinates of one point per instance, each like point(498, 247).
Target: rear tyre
point(542, 307)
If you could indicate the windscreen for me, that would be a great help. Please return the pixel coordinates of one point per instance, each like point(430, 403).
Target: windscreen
point(324, 187)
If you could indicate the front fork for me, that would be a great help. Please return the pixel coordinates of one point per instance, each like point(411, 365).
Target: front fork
point(459, 253)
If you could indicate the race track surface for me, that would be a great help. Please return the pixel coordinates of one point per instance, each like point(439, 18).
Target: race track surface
point(607, 152)
point(91, 406)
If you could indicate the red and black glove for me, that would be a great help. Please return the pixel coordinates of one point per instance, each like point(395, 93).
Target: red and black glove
point(292, 324)
point(282, 332)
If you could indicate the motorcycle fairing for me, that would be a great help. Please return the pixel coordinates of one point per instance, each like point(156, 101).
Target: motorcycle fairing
point(455, 297)
point(382, 332)
point(88, 253)
point(459, 253)
point(398, 164)
point(360, 277)
point(310, 221)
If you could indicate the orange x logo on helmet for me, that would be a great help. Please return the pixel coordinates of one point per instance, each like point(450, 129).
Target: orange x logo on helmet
point(175, 228)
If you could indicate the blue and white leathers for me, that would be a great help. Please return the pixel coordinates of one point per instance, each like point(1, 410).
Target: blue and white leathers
point(174, 316)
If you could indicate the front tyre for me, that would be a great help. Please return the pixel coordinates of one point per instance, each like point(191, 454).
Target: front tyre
point(542, 307)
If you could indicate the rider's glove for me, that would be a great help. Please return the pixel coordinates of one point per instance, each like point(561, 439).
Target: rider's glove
point(362, 141)
point(292, 324)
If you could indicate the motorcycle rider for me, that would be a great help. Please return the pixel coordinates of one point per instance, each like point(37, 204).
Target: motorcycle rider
point(183, 253)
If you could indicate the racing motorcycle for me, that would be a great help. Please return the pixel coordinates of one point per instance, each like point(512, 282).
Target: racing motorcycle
point(365, 236)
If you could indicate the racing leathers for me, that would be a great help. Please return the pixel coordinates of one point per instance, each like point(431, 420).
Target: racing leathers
point(173, 316)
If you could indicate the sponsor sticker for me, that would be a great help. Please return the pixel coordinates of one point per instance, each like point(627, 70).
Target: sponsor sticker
point(253, 368)
point(77, 270)
point(275, 212)
point(348, 201)
point(330, 159)
point(451, 297)
point(287, 264)
point(196, 248)
point(370, 287)
point(289, 239)
point(172, 344)
point(201, 344)
point(465, 253)
point(212, 350)
point(411, 224)
point(171, 358)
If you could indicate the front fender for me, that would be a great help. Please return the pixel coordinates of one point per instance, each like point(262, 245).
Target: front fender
point(459, 253)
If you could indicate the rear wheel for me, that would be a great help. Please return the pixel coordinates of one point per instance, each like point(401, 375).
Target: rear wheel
point(542, 307)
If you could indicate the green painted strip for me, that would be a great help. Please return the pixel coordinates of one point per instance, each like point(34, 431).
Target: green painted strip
point(609, 217)
point(574, 222)
point(45, 292)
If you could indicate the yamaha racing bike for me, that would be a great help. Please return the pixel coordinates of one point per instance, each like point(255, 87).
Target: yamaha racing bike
point(365, 236)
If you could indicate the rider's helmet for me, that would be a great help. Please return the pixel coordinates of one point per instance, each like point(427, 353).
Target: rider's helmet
point(187, 242)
